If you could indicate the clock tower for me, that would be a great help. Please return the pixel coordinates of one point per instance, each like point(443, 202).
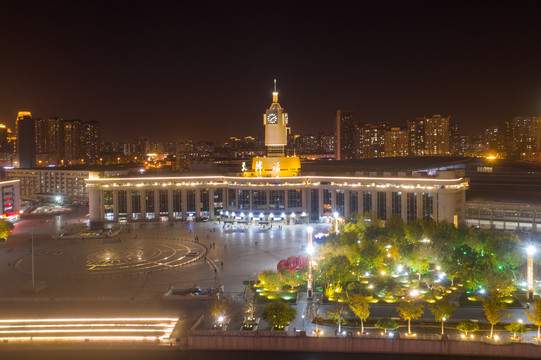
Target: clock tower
point(276, 127)
point(275, 164)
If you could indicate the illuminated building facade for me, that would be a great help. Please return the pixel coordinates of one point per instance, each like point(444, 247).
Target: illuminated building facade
point(48, 183)
point(10, 204)
point(369, 141)
point(437, 135)
point(284, 199)
point(429, 136)
point(396, 142)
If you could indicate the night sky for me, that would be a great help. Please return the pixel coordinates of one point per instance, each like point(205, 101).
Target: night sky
point(205, 71)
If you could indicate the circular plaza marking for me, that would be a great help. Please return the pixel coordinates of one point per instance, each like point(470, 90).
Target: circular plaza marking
point(87, 260)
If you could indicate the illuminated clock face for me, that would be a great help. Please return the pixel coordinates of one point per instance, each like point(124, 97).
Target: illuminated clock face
point(272, 118)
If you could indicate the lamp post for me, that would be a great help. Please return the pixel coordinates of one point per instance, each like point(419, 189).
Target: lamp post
point(310, 251)
point(336, 222)
point(530, 251)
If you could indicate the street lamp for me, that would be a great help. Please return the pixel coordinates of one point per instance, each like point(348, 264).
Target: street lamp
point(310, 251)
point(336, 222)
point(530, 251)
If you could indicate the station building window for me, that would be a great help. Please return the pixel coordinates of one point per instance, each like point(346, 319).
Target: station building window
point(232, 198)
point(277, 200)
point(136, 205)
point(190, 201)
point(353, 201)
point(367, 201)
point(339, 202)
point(218, 201)
point(122, 203)
point(149, 204)
point(314, 204)
point(204, 200)
point(164, 202)
point(411, 205)
point(259, 200)
point(244, 199)
point(177, 204)
point(294, 198)
point(396, 203)
point(327, 207)
point(428, 206)
point(382, 205)
point(108, 205)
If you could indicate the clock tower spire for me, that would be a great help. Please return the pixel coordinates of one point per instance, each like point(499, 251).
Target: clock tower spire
point(276, 163)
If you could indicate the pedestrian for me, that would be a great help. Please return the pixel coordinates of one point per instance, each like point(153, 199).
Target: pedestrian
point(9, 265)
point(213, 245)
point(222, 264)
point(225, 247)
point(215, 271)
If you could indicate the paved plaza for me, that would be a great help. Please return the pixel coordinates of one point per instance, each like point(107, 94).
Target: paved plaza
point(136, 266)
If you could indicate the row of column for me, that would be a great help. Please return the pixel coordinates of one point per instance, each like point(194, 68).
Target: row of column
point(97, 203)
point(97, 206)
point(307, 201)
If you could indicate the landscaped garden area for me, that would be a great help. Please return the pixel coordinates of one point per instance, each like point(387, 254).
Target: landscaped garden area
point(419, 265)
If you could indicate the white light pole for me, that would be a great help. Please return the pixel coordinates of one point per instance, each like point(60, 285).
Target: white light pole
point(336, 222)
point(310, 251)
point(530, 250)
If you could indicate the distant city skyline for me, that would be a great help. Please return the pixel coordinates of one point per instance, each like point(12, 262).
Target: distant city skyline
point(164, 71)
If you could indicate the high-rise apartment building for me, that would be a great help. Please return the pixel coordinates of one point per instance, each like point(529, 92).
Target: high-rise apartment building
point(5, 143)
point(494, 141)
point(73, 133)
point(429, 136)
point(369, 141)
point(344, 135)
point(523, 138)
point(416, 136)
point(455, 138)
point(396, 142)
point(26, 139)
point(437, 135)
point(91, 141)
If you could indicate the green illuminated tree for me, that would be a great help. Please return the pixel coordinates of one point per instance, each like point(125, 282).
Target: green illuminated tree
point(278, 314)
point(338, 316)
point(5, 229)
point(386, 324)
point(270, 280)
point(441, 310)
point(468, 327)
point(492, 308)
point(336, 270)
point(360, 306)
point(516, 328)
point(410, 309)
